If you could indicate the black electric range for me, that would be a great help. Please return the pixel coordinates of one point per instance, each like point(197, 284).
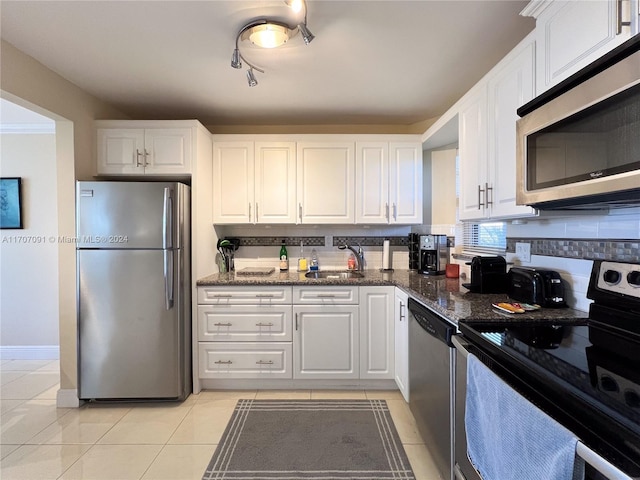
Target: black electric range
point(585, 375)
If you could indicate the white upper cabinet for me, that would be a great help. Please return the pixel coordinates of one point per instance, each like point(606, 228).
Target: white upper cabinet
point(405, 182)
point(233, 182)
point(487, 138)
point(254, 182)
point(510, 87)
point(326, 185)
point(275, 182)
point(572, 34)
point(127, 150)
point(388, 182)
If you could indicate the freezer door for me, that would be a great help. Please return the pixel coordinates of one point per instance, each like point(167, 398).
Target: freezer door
point(130, 344)
point(130, 214)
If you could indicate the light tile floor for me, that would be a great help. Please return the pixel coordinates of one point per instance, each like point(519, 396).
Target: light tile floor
point(138, 441)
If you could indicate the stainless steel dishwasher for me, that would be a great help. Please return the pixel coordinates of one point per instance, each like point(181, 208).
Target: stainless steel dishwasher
point(431, 377)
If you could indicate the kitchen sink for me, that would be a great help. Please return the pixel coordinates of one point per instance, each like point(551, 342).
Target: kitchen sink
point(334, 275)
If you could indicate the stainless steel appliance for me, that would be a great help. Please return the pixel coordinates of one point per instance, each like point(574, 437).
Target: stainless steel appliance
point(578, 144)
point(431, 370)
point(134, 301)
point(434, 254)
point(584, 374)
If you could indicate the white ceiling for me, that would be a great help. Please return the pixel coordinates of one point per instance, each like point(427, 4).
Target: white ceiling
point(372, 62)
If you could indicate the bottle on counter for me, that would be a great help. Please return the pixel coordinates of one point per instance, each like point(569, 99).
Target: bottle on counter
point(284, 258)
point(351, 262)
point(314, 261)
point(302, 261)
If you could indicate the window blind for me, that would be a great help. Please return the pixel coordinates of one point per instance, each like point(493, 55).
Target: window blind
point(487, 238)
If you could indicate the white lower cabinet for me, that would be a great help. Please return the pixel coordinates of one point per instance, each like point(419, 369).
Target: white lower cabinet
point(245, 360)
point(376, 332)
point(244, 332)
point(325, 344)
point(401, 342)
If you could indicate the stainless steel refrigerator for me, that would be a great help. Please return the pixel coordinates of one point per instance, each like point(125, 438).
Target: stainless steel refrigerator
point(134, 301)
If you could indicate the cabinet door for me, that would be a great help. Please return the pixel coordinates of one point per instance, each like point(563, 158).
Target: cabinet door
point(326, 185)
point(571, 35)
point(372, 182)
point(275, 182)
point(405, 182)
point(325, 343)
point(167, 151)
point(233, 188)
point(376, 332)
point(473, 157)
point(401, 342)
point(510, 88)
point(120, 151)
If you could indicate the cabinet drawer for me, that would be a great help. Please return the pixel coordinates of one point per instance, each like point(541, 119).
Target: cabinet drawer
point(244, 360)
point(239, 323)
point(241, 295)
point(325, 295)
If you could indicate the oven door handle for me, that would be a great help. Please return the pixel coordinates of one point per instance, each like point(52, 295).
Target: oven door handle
point(599, 463)
point(461, 345)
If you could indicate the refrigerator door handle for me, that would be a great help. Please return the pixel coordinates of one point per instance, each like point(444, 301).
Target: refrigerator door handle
point(167, 223)
point(168, 279)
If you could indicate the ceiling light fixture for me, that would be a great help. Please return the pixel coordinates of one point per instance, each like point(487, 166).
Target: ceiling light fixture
point(268, 33)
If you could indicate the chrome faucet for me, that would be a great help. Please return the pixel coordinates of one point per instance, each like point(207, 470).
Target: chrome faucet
point(359, 254)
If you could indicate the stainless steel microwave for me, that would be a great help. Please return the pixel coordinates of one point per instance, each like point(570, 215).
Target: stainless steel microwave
point(581, 148)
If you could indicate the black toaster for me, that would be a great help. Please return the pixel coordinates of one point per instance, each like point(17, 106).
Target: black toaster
point(536, 286)
point(488, 275)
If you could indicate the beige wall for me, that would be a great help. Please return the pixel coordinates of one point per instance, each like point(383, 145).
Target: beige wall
point(28, 83)
point(443, 187)
point(29, 270)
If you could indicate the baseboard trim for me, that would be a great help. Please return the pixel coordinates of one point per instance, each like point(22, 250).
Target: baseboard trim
point(68, 398)
point(29, 352)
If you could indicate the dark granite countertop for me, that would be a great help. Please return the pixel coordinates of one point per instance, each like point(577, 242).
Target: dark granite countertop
point(444, 295)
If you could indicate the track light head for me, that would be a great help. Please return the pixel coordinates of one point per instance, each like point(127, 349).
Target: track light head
point(236, 62)
point(251, 78)
point(307, 36)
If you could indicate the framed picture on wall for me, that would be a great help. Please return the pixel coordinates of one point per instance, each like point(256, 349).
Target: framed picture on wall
point(10, 203)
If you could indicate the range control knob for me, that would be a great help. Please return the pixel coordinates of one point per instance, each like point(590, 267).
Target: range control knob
point(633, 278)
point(608, 384)
point(611, 277)
point(632, 399)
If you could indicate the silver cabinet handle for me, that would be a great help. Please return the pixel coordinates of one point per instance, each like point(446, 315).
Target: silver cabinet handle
point(265, 295)
point(219, 324)
point(260, 324)
point(619, 22)
point(480, 204)
point(296, 321)
point(138, 155)
point(264, 362)
point(488, 189)
point(328, 295)
point(249, 211)
point(395, 211)
point(300, 211)
point(221, 295)
point(386, 209)
point(401, 315)
point(146, 154)
point(223, 362)
point(257, 212)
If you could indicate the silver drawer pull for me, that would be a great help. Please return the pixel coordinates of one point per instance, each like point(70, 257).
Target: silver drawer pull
point(220, 295)
point(266, 295)
point(222, 324)
point(223, 362)
point(264, 324)
point(325, 296)
point(264, 362)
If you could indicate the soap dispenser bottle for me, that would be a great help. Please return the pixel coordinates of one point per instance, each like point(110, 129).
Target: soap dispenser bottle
point(314, 261)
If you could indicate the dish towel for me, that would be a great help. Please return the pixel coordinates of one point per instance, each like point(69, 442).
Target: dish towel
point(509, 438)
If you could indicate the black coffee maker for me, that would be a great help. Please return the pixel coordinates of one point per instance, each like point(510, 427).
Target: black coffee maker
point(434, 254)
